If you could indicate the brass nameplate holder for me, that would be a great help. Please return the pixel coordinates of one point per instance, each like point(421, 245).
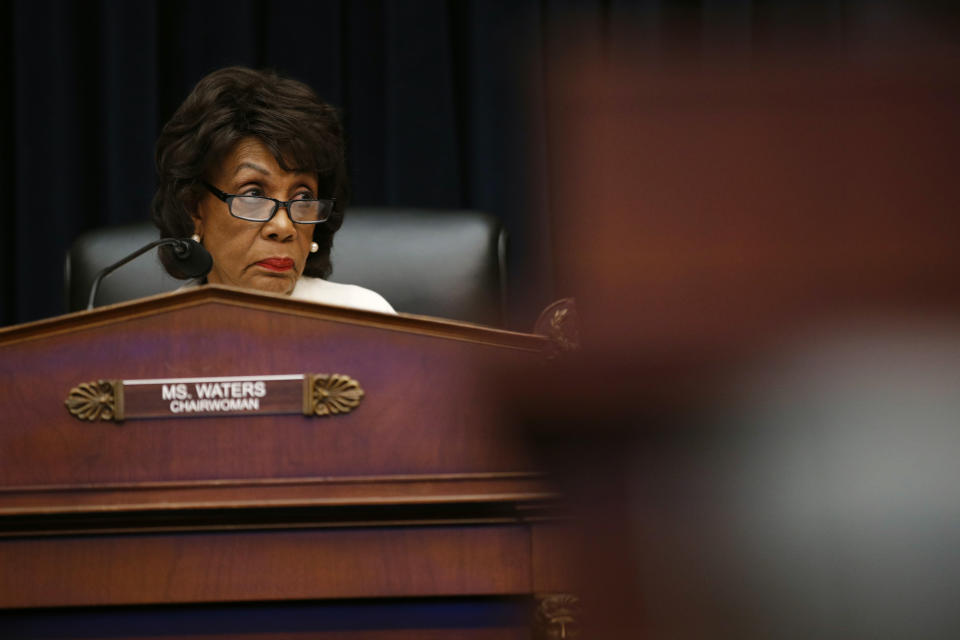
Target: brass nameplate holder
point(319, 394)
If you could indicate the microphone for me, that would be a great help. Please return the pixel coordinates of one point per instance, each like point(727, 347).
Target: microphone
point(192, 258)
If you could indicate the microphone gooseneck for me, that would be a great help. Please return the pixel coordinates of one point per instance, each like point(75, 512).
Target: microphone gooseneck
point(194, 260)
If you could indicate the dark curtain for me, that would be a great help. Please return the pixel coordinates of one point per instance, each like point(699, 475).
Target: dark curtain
point(444, 102)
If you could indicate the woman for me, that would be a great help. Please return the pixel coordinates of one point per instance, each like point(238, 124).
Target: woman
point(252, 166)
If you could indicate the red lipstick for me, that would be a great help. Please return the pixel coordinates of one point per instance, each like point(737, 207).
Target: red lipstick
point(277, 264)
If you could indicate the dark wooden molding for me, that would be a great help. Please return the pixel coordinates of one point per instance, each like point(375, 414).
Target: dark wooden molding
point(243, 298)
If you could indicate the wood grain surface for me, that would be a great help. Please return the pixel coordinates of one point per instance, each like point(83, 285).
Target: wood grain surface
point(420, 492)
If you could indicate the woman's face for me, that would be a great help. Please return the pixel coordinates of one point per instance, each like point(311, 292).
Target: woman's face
point(268, 256)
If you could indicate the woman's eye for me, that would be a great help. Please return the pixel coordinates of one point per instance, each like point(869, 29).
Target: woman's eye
point(305, 195)
point(251, 191)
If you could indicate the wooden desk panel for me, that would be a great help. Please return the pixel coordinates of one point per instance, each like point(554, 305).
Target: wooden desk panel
point(264, 565)
point(419, 493)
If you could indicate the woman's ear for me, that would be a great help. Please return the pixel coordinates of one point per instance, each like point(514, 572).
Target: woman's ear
point(192, 204)
point(197, 224)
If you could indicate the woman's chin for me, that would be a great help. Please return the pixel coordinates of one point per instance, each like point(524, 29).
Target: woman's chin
point(273, 284)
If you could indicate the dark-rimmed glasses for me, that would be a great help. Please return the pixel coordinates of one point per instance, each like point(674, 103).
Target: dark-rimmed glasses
point(262, 208)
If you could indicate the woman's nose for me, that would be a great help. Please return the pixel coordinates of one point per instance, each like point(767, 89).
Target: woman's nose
point(280, 226)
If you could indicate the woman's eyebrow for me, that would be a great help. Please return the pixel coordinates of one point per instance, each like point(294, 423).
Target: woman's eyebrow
point(251, 165)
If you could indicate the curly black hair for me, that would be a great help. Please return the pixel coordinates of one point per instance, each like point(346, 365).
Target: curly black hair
point(303, 133)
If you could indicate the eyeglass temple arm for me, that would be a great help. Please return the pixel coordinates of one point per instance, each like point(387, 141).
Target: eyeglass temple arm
point(220, 194)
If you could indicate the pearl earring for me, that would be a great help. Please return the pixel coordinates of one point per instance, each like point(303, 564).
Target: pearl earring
point(314, 247)
point(195, 237)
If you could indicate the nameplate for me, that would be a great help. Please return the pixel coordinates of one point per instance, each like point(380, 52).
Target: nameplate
point(319, 394)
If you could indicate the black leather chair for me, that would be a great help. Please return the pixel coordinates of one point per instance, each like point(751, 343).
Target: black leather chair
point(449, 264)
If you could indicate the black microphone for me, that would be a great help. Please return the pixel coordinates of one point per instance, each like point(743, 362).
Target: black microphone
point(192, 258)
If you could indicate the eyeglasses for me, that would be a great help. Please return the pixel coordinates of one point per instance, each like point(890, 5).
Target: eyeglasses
point(262, 208)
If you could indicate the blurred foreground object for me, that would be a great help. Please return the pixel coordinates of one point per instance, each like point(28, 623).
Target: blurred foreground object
point(706, 205)
point(759, 436)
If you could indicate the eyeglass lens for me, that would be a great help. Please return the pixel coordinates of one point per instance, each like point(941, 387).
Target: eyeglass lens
point(251, 208)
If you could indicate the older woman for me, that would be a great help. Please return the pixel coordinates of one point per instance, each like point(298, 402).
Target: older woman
point(252, 165)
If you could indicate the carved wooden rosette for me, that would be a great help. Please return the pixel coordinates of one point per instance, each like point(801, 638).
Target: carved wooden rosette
point(328, 394)
point(559, 322)
point(98, 400)
point(557, 617)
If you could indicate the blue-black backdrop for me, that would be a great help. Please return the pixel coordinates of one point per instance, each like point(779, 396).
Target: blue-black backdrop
point(444, 102)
